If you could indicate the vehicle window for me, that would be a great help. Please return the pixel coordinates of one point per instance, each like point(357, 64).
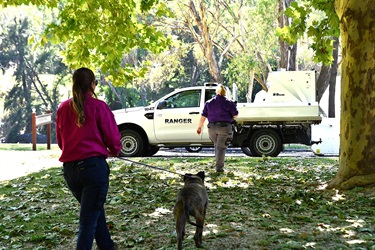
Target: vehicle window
point(185, 99)
point(209, 94)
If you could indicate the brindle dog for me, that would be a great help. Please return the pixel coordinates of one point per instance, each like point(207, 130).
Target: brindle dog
point(191, 200)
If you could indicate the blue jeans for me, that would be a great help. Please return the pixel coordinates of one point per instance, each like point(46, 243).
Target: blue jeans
point(88, 180)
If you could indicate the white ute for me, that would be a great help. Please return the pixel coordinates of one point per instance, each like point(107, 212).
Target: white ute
point(281, 116)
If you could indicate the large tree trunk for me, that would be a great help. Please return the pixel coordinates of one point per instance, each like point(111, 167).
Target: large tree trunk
point(357, 132)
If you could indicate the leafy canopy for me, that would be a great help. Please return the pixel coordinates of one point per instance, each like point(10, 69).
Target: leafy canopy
point(319, 19)
point(97, 34)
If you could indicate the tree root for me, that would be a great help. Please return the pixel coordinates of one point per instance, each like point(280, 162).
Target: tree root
point(355, 181)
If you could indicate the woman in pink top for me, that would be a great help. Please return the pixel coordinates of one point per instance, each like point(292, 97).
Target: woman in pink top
point(87, 134)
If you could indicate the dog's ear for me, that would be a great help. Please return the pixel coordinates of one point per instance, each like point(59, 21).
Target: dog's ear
point(201, 175)
point(187, 176)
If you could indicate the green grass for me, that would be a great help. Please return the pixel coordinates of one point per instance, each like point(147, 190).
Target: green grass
point(259, 203)
point(25, 146)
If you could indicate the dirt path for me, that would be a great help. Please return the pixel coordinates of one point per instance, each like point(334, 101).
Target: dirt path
point(14, 164)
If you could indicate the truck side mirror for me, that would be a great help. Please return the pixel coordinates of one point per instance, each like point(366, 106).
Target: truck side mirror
point(162, 105)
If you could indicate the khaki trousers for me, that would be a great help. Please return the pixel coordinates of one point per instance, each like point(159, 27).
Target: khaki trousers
point(221, 134)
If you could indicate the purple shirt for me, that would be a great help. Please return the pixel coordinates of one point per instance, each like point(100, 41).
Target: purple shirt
point(219, 109)
point(98, 132)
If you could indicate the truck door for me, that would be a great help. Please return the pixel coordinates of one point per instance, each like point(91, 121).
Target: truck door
point(176, 118)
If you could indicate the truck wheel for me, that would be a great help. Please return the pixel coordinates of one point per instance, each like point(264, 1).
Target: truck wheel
point(152, 150)
point(265, 142)
point(132, 143)
point(193, 149)
point(246, 151)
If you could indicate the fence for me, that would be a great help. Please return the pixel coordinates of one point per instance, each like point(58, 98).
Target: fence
point(39, 120)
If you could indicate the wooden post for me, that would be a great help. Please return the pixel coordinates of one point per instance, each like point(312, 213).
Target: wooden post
point(33, 129)
point(40, 120)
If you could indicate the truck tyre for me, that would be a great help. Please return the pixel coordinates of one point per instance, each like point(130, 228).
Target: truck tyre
point(265, 142)
point(246, 151)
point(152, 150)
point(132, 143)
point(193, 149)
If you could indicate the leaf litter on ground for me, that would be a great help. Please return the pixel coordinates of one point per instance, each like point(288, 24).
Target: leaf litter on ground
point(258, 203)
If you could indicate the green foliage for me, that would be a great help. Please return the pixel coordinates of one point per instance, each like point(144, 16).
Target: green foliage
point(97, 34)
point(320, 28)
point(48, 3)
point(257, 46)
point(273, 203)
point(18, 100)
point(238, 71)
point(30, 69)
point(145, 43)
point(127, 97)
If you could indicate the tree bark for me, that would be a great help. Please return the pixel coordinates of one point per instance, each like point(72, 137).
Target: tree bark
point(357, 124)
point(194, 75)
point(283, 45)
point(205, 40)
point(41, 95)
point(323, 81)
point(293, 58)
point(249, 94)
point(333, 80)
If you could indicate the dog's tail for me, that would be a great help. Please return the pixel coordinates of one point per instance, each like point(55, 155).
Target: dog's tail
point(187, 214)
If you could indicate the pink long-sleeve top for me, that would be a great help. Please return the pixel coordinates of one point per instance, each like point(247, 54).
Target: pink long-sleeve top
point(98, 135)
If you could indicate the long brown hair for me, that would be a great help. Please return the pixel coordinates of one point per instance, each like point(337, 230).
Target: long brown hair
point(82, 83)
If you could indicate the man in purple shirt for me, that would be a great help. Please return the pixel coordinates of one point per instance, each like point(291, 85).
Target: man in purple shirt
point(87, 134)
point(220, 113)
